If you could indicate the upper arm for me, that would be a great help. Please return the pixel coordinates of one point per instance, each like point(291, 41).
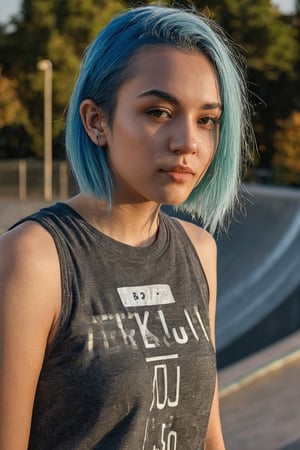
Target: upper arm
point(206, 248)
point(29, 306)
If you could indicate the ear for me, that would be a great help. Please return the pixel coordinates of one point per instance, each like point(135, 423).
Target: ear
point(93, 120)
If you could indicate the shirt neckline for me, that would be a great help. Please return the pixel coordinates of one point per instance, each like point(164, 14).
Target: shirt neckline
point(154, 250)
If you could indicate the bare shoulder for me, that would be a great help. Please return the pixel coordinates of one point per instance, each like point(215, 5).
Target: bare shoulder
point(29, 266)
point(202, 240)
point(28, 246)
point(29, 308)
point(206, 249)
point(26, 236)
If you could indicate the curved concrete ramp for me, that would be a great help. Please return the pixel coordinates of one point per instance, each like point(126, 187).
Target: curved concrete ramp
point(259, 263)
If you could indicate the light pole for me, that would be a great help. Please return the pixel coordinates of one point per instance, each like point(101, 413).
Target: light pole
point(46, 66)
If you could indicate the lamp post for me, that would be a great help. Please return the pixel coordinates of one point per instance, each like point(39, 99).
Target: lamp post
point(46, 66)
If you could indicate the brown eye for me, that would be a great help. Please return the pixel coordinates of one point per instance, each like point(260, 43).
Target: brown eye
point(159, 113)
point(209, 122)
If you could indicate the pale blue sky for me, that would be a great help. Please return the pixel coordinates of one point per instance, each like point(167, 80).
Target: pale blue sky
point(11, 7)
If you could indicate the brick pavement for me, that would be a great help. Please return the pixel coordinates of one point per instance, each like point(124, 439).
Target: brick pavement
point(260, 399)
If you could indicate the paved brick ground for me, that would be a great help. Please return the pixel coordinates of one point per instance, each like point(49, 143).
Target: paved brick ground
point(262, 412)
point(265, 415)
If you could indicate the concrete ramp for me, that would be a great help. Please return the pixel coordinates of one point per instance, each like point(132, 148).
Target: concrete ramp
point(258, 272)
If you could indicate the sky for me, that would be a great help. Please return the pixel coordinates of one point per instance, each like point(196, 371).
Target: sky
point(12, 7)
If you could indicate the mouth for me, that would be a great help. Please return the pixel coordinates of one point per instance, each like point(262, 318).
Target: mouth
point(179, 174)
point(178, 169)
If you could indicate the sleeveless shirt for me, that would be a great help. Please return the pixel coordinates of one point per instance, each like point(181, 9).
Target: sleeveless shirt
point(132, 366)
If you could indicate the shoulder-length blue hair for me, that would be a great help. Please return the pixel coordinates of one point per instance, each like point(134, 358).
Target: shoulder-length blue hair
point(106, 65)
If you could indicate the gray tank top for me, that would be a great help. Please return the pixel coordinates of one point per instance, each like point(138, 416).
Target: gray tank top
point(132, 366)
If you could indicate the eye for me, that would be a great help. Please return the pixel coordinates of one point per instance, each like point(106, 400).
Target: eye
point(159, 113)
point(208, 122)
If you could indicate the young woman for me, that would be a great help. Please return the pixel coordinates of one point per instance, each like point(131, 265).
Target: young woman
point(108, 304)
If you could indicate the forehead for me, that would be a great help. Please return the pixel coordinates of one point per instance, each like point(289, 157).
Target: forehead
point(182, 73)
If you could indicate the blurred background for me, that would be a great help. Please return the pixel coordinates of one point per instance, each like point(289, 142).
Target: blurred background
point(258, 315)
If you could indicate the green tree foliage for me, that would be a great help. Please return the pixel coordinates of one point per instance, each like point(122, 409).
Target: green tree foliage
point(57, 30)
point(287, 155)
point(259, 29)
point(11, 110)
point(14, 122)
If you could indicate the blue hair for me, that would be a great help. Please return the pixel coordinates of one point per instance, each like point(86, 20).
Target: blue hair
point(106, 66)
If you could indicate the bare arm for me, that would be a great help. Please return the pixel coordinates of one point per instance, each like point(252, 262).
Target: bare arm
point(214, 440)
point(29, 306)
point(207, 251)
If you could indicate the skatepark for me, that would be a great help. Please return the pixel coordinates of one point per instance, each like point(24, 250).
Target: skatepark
point(259, 274)
point(258, 322)
point(258, 317)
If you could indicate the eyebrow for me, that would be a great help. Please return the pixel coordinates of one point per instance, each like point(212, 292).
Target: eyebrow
point(170, 98)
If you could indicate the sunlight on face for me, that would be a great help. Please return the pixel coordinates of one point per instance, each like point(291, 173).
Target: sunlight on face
point(166, 125)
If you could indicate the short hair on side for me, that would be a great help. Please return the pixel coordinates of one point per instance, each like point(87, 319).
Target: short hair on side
point(105, 67)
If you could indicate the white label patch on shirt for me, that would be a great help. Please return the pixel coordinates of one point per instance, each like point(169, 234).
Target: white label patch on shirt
point(154, 294)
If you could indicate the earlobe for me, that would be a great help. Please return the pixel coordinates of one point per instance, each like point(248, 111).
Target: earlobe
point(93, 120)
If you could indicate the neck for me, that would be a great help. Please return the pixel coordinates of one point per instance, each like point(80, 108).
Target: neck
point(131, 224)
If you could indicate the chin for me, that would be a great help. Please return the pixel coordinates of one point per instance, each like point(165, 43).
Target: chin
point(174, 201)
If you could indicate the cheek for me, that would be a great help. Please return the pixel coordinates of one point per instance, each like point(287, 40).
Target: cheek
point(125, 147)
point(208, 140)
point(128, 132)
point(214, 138)
point(209, 145)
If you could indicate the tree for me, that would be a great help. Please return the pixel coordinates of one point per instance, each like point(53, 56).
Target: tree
point(58, 31)
point(287, 144)
point(14, 140)
point(11, 110)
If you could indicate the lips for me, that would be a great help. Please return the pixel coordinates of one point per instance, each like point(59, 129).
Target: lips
point(178, 174)
point(179, 169)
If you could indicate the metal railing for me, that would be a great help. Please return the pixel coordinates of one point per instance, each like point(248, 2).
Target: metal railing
point(24, 179)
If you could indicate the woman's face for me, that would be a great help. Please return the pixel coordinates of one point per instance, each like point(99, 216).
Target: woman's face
point(165, 126)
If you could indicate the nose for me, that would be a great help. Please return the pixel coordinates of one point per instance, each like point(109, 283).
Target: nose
point(183, 138)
